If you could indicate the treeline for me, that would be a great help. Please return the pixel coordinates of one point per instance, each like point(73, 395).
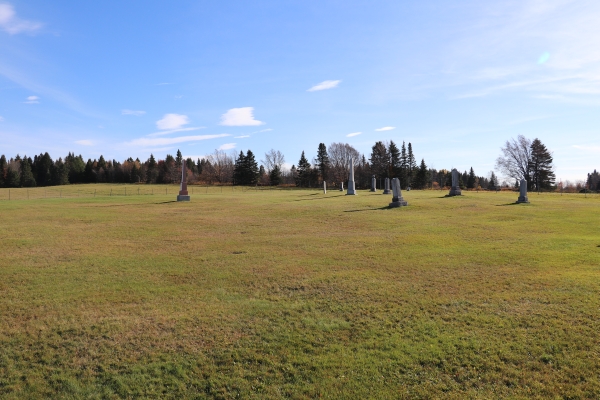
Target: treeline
point(331, 164)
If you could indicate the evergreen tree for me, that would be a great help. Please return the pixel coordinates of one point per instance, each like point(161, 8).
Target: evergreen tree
point(394, 164)
point(76, 168)
point(152, 169)
point(3, 166)
point(540, 166)
point(323, 161)
point(412, 164)
point(60, 173)
point(421, 176)
point(471, 179)
point(275, 176)
point(238, 169)
point(303, 172)
point(380, 160)
point(493, 183)
point(13, 178)
point(90, 174)
point(27, 178)
point(403, 175)
point(178, 159)
point(251, 168)
point(261, 172)
point(42, 168)
point(593, 181)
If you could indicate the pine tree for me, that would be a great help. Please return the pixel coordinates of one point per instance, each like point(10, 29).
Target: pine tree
point(42, 167)
point(403, 175)
point(27, 179)
point(12, 178)
point(471, 179)
point(178, 158)
point(275, 176)
point(60, 173)
point(421, 176)
point(238, 169)
point(251, 172)
point(380, 160)
point(3, 166)
point(540, 166)
point(394, 164)
point(323, 161)
point(303, 172)
point(493, 184)
point(412, 165)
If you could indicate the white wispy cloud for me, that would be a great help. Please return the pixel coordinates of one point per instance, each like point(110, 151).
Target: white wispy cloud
point(385, 128)
point(153, 142)
point(243, 116)
point(591, 149)
point(353, 134)
point(12, 24)
point(136, 113)
point(264, 130)
point(324, 85)
point(227, 146)
point(161, 133)
point(32, 100)
point(241, 137)
point(85, 142)
point(172, 121)
point(164, 83)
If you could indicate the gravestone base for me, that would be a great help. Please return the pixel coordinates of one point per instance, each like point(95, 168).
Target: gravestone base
point(373, 190)
point(183, 197)
point(522, 199)
point(387, 191)
point(455, 191)
point(351, 189)
point(398, 203)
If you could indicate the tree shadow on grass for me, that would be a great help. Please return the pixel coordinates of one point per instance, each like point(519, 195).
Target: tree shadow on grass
point(322, 198)
point(509, 204)
point(373, 209)
point(170, 201)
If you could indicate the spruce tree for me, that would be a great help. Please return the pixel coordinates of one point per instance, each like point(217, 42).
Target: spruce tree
point(27, 178)
point(60, 173)
point(421, 176)
point(303, 171)
point(275, 176)
point(471, 179)
point(412, 164)
point(403, 175)
point(540, 165)
point(323, 161)
point(3, 166)
point(493, 183)
point(380, 160)
point(238, 169)
point(178, 158)
point(251, 172)
point(13, 178)
point(394, 164)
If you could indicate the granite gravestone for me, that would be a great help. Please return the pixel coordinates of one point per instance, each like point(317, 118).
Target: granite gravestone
point(523, 192)
point(373, 184)
point(397, 199)
point(183, 192)
point(324, 187)
point(351, 186)
point(341, 186)
point(455, 189)
point(387, 186)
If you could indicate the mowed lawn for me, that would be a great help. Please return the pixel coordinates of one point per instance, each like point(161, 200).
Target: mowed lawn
point(297, 294)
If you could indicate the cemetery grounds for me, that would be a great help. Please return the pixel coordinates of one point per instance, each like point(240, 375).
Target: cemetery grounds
point(245, 293)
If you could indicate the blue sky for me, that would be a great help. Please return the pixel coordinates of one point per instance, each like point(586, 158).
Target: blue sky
point(457, 79)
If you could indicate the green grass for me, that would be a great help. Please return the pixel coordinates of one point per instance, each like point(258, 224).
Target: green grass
point(296, 294)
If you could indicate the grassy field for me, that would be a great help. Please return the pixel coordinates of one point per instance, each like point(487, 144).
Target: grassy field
point(296, 294)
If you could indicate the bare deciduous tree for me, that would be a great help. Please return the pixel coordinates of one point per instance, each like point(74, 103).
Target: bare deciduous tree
point(515, 162)
point(273, 158)
point(222, 166)
point(340, 155)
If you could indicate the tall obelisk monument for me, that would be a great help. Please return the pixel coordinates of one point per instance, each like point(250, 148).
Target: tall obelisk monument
point(351, 187)
point(183, 192)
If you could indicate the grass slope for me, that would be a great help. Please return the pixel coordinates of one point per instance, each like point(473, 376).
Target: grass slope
point(271, 294)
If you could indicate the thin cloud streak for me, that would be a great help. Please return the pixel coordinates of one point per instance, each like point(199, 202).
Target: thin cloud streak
point(150, 142)
point(324, 86)
point(161, 133)
point(353, 134)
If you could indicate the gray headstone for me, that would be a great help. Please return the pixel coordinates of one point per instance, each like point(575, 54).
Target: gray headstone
point(373, 184)
point(523, 192)
point(387, 186)
point(341, 186)
point(455, 189)
point(397, 199)
point(324, 187)
point(351, 187)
